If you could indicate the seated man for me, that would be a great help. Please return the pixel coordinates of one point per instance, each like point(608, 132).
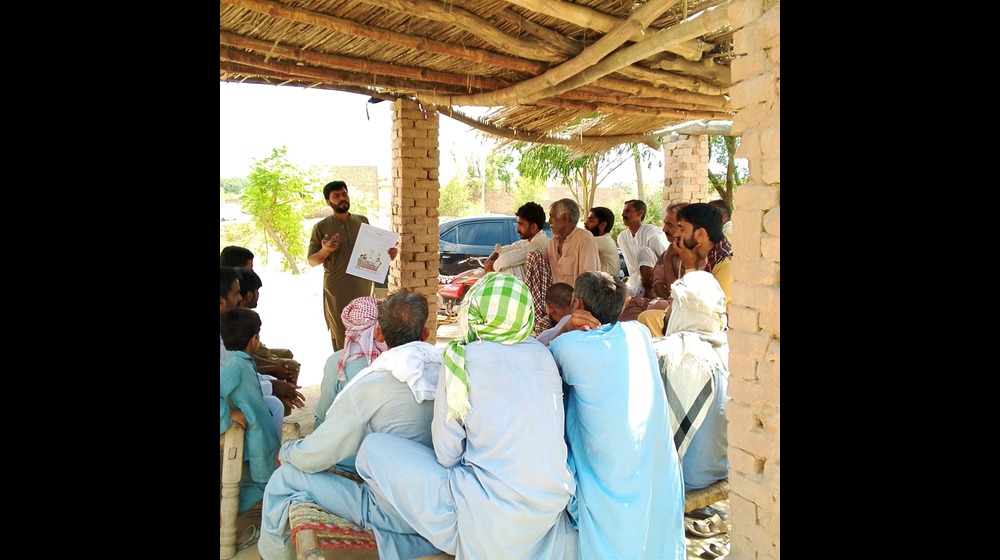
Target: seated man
point(629, 500)
point(360, 348)
point(240, 390)
point(279, 376)
point(496, 483)
point(700, 245)
point(510, 258)
point(559, 307)
point(394, 395)
point(694, 356)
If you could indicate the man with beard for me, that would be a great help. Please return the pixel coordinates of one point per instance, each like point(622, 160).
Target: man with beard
point(700, 244)
point(511, 258)
point(331, 245)
point(599, 222)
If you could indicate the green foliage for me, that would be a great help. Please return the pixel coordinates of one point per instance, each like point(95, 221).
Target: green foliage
point(233, 185)
point(529, 190)
point(454, 198)
point(654, 206)
point(722, 151)
point(275, 197)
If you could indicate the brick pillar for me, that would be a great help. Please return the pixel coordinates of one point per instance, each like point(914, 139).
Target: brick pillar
point(415, 195)
point(754, 313)
point(685, 169)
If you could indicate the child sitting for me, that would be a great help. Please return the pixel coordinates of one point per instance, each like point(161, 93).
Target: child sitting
point(239, 387)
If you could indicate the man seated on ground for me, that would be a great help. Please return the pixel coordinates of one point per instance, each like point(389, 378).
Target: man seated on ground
point(694, 355)
point(279, 376)
point(572, 250)
point(629, 499)
point(496, 483)
point(700, 245)
point(636, 236)
point(559, 307)
point(727, 216)
point(360, 349)
point(657, 294)
point(393, 395)
point(510, 258)
point(599, 222)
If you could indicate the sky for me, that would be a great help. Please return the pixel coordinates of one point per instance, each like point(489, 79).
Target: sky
point(325, 128)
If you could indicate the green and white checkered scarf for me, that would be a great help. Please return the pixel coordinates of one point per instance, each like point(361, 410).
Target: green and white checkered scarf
point(498, 308)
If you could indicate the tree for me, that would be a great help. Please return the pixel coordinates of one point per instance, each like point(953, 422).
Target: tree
point(581, 174)
point(722, 150)
point(233, 185)
point(275, 196)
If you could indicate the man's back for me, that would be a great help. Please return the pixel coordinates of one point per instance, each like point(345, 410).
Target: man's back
point(509, 453)
point(629, 501)
point(373, 401)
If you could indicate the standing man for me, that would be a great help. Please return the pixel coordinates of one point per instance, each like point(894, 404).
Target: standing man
point(629, 499)
point(599, 222)
point(632, 240)
point(331, 244)
point(510, 258)
point(572, 250)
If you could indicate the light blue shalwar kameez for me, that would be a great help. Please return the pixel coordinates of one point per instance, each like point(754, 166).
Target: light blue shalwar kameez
point(372, 402)
point(239, 388)
point(495, 487)
point(629, 501)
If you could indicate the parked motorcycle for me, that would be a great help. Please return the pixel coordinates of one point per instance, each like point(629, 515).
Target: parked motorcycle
point(452, 289)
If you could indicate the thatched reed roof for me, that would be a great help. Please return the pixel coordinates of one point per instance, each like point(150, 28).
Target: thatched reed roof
point(591, 74)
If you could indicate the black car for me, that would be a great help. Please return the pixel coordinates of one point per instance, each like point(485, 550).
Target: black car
point(477, 236)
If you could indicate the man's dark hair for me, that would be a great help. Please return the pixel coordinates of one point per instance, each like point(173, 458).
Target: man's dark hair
point(333, 186)
point(226, 276)
point(604, 215)
point(533, 213)
point(237, 326)
point(234, 255)
point(560, 296)
point(402, 317)
point(723, 206)
point(601, 294)
point(703, 215)
point(638, 205)
point(249, 281)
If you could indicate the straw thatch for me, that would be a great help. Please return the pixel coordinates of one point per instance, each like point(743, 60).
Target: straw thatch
point(591, 74)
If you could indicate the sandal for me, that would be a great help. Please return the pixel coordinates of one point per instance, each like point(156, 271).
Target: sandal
point(708, 527)
point(715, 550)
point(250, 536)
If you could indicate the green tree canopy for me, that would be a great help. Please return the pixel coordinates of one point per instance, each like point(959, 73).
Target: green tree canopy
point(275, 197)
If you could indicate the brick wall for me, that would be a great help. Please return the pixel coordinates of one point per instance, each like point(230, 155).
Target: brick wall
point(755, 336)
point(685, 169)
point(415, 196)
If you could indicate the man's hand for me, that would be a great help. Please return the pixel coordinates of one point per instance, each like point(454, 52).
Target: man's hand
point(237, 416)
point(331, 243)
point(689, 257)
point(288, 394)
point(580, 320)
point(393, 251)
point(286, 372)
